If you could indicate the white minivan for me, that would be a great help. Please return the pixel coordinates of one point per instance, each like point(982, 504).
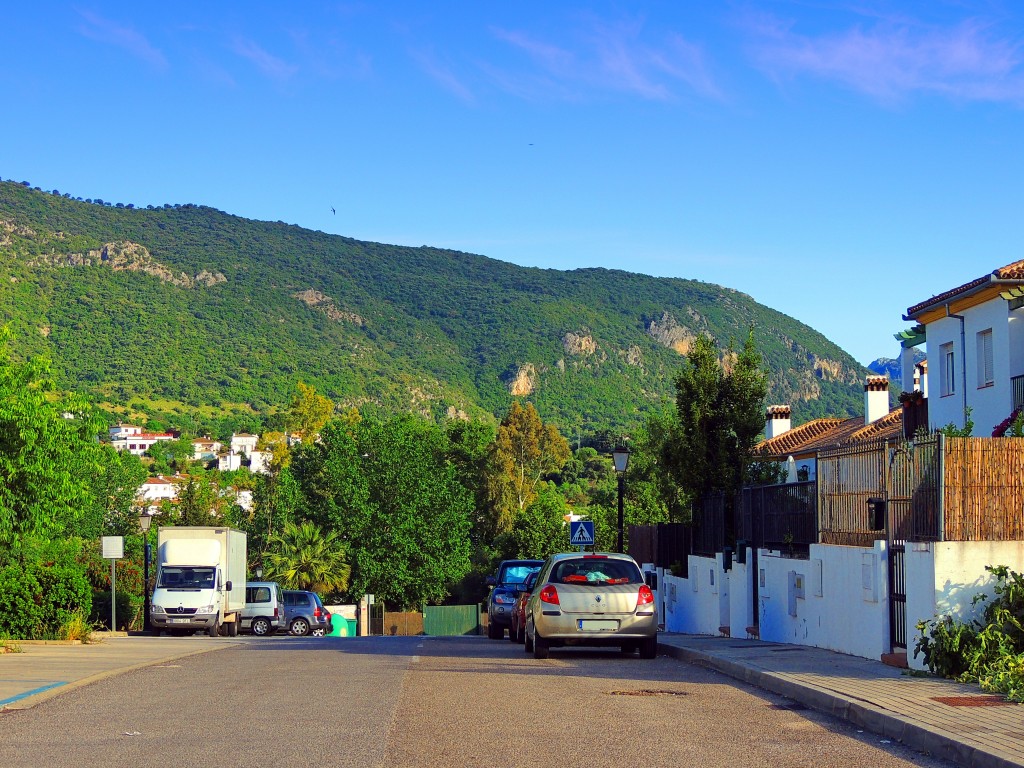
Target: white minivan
point(264, 607)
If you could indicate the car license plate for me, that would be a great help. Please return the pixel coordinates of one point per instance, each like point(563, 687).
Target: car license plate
point(597, 625)
point(179, 621)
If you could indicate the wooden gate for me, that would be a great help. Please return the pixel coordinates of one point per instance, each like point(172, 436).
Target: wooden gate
point(450, 620)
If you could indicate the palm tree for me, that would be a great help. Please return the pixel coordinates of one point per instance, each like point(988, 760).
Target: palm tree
point(304, 557)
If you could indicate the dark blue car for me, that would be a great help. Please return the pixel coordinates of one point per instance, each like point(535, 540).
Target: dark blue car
point(505, 588)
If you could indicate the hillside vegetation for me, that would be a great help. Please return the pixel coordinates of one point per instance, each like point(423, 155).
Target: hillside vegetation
point(172, 310)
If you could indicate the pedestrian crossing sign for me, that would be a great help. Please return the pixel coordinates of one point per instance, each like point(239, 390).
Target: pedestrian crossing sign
point(581, 533)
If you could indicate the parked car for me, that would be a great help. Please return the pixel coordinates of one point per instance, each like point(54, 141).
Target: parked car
point(305, 613)
point(263, 613)
point(506, 585)
point(517, 629)
point(591, 599)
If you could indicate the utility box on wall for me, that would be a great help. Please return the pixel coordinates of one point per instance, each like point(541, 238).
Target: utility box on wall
point(876, 513)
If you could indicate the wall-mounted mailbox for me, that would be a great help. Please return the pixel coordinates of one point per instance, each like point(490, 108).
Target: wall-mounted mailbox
point(727, 559)
point(876, 513)
point(741, 552)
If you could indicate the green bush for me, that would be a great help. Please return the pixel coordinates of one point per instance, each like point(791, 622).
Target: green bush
point(21, 615)
point(988, 652)
point(101, 609)
point(40, 595)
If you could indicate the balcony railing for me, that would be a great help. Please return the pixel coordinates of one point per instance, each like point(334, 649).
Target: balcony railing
point(1017, 382)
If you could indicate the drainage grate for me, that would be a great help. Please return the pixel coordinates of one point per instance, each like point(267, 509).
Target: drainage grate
point(792, 706)
point(647, 692)
point(972, 701)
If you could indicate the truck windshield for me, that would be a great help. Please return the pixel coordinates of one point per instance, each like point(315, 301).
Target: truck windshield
point(187, 577)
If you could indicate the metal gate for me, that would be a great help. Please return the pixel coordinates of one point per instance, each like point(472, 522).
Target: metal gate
point(450, 620)
point(911, 496)
point(375, 618)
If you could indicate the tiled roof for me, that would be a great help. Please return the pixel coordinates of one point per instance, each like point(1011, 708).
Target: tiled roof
point(1014, 271)
point(829, 433)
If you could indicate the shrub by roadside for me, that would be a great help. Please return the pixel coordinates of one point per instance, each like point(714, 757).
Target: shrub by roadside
point(988, 652)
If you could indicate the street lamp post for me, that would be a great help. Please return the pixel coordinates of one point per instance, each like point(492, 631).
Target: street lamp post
point(621, 458)
point(145, 520)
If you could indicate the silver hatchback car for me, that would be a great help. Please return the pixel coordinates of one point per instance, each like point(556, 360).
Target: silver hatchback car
point(591, 599)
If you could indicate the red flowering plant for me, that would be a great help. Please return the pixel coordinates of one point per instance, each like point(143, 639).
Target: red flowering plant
point(1011, 426)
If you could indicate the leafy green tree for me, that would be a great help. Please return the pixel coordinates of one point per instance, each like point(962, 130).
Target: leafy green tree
point(48, 453)
point(541, 529)
point(115, 490)
point(309, 411)
point(200, 502)
point(525, 450)
point(276, 499)
point(305, 557)
point(391, 492)
point(171, 455)
point(719, 408)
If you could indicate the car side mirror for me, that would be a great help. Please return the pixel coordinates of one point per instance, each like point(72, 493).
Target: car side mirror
point(491, 581)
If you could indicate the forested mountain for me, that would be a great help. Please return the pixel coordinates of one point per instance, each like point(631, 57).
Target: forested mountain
point(182, 310)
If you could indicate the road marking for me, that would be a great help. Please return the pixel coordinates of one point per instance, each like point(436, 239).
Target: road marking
point(33, 692)
point(415, 659)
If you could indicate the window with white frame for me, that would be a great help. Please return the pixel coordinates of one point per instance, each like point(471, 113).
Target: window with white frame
point(947, 369)
point(986, 375)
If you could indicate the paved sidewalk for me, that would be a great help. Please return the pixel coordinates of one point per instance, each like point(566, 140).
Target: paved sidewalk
point(950, 720)
point(45, 669)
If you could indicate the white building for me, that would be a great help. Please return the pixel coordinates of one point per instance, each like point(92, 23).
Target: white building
point(259, 462)
point(157, 488)
point(138, 442)
point(205, 449)
point(243, 443)
point(974, 336)
point(229, 462)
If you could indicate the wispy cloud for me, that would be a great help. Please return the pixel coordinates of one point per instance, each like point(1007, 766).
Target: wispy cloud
point(892, 59)
point(614, 57)
point(443, 74)
point(273, 67)
point(111, 33)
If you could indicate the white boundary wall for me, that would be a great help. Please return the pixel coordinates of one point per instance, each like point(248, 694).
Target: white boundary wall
point(944, 577)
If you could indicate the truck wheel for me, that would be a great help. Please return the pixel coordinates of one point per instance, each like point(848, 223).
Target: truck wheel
point(214, 629)
point(235, 627)
point(261, 626)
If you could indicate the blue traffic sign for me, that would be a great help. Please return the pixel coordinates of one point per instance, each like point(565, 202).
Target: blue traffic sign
point(581, 533)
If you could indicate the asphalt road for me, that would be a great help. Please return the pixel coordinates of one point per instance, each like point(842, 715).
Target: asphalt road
point(429, 702)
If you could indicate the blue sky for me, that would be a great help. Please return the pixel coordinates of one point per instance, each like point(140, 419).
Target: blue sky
point(838, 162)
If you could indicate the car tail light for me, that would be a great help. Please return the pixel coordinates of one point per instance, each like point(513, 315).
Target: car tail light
point(549, 595)
point(275, 611)
point(646, 597)
point(316, 613)
point(595, 557)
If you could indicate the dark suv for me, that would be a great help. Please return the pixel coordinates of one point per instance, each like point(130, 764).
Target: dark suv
point(506, 586)
point(304, 613)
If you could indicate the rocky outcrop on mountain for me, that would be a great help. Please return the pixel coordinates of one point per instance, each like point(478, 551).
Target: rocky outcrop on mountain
point(669, 333)
point(126, 256)
point(578, 344)
point(325, 304)
point(634, 356)
point(523, 381)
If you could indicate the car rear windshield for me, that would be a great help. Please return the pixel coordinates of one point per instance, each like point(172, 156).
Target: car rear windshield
point(596, 572)
point(516, 573)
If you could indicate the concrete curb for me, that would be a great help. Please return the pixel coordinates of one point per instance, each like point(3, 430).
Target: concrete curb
point(37, 698)
point(861, 713)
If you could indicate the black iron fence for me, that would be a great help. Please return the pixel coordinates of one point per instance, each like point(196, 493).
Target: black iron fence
point(780, 517)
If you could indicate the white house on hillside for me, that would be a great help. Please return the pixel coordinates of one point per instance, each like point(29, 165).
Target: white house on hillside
point(974, 335)
point(243, 443)
point(206, 449)
point(125, 437)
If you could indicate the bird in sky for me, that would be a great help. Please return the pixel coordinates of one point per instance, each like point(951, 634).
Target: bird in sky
point(333, 211)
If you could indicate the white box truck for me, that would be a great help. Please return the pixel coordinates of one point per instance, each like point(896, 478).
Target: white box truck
point(200, 580)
